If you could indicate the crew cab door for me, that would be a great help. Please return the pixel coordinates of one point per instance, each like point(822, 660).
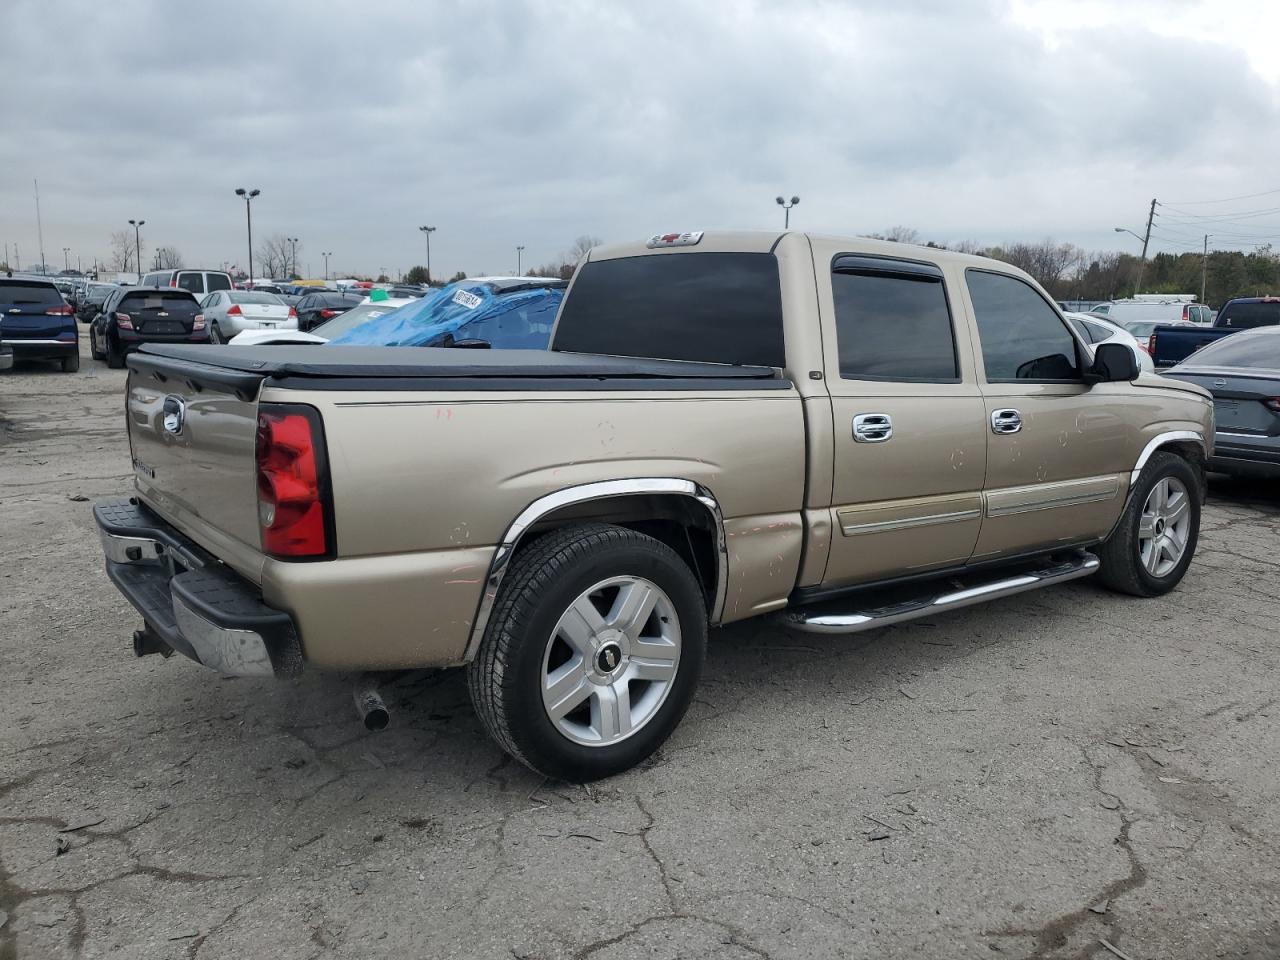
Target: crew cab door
point(910, 445)
point(1059, 452)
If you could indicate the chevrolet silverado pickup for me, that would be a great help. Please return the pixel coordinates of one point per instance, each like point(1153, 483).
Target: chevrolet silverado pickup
point(841, 433)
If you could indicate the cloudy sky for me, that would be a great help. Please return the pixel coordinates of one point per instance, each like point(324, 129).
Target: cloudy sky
point(504, 123)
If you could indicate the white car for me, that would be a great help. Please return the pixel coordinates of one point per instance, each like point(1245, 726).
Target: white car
point(230, 313)
point(1096, 330)
point(326, 331)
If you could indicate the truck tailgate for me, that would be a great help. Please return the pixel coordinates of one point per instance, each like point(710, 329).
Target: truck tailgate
point(192, 435)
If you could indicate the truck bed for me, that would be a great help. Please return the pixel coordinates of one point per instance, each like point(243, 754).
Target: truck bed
point(243, 369)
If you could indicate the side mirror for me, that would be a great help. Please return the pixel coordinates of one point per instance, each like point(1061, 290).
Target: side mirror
point(1112, 363)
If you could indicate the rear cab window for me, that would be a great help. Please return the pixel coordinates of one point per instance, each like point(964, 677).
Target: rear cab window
point(893, 321)
point(1249, 314)
point(707, 307)
point(1022, 337)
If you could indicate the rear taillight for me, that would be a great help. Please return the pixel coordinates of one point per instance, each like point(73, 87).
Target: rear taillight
point(328, 314)
point(123, 321)
point(1151, 345)
point(234, 310)
point(63, 311)
point(294, 507)
point(198, 322)
point(1272, 403)
point(293, 314)
point(173, 282)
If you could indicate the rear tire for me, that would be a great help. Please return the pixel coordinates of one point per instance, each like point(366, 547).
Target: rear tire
point(71, 364)
point(115, 353)
point(571, 680)
point(94, 352)
point(1153, 544)
point(215, 335)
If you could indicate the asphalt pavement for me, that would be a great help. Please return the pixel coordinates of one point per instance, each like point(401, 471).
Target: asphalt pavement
point(1028, 778)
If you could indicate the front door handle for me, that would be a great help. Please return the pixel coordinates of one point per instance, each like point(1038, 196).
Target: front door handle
point(872, 428)
point(1006, 421)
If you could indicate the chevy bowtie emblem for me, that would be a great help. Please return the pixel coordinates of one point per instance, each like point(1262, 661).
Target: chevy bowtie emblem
point(175, 414)
point(1219, 383)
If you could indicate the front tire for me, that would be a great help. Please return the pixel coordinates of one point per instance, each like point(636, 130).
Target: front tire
point(1151, 547)
point(592, 653)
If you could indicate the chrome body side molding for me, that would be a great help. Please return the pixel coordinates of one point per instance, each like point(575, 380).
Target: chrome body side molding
point(585, 493)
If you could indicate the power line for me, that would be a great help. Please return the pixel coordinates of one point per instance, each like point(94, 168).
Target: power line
point(1247, 196)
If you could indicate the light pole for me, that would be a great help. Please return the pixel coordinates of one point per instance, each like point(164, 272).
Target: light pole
point(66, 258)
point(519, 260)
point(326, 263)
point(427, 231)
point(1204, 267)
point(137, 242)
point(786, 223)
point(1137, 236)
point(293, 256)
point(248, 219)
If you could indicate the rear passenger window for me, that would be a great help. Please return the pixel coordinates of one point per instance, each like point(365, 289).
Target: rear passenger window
point(191, 281)
point(1022, 336)
point(892, 320)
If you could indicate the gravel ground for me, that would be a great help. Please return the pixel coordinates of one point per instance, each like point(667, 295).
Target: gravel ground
point(1024, 779)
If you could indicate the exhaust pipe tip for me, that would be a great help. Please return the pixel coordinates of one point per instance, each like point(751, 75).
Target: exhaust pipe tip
point(369, 704)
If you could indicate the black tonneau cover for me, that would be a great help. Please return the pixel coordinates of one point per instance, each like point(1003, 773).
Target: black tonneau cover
point(315, 367)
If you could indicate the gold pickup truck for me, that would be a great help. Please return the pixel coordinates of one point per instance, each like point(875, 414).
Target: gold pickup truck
point(843, 433)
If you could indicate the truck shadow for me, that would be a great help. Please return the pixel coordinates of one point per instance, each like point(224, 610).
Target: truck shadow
point(1261, 494)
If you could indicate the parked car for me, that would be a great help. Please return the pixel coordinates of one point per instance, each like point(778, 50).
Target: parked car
point(315, 308)
point(510, 313)
point(1153, 308)
point(1142, 330)
point(879, 432)
point(326, 331)
point(228, 313)
point(1243, 374)
point(92, 299)
point(1096, 331)
point(132, 316)
point(36, 323)
point(1170, 345)
point(408, 290)
point(198, 282)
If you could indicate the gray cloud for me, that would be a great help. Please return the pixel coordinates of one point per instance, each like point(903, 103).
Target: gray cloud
point(505, 123)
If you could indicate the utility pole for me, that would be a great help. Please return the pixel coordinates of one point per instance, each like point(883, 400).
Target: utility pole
point(40, 228)
point(519, 260)
point(1137, 287)
point(1204, 267)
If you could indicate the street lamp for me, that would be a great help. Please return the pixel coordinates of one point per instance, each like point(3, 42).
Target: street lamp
point(248, 219)
point(427, 231)
point(293, 255)
point(786, 223)
point(1142, 264)
point(66, 258)
point(137, 241)
point(519, 260)
point(326, 263)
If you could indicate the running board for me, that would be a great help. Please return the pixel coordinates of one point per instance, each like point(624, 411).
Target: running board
point(822, 618)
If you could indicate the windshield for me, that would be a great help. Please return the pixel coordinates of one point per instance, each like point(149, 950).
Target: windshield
point(29, 294)
point(1246, 314)
point(1253, 350)
point(352, 318)
point(169, 302)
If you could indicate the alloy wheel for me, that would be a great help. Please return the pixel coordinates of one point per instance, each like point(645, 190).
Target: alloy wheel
point(1164, 526)
point(611, 661)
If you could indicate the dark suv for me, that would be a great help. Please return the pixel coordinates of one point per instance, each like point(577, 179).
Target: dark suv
point(316, 308)
point(36, 323)
point(135, 315)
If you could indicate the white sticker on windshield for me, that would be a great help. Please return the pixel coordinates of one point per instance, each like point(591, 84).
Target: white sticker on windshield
point(468, 300)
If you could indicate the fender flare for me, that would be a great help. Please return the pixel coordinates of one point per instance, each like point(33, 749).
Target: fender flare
point(1158, 441)
point(583, 493)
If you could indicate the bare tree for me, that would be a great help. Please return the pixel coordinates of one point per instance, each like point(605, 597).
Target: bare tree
point(899, 234)
point(168, 258)
point(1046, 261)
point(581, 247)
point(123, 247)
point(274, 257)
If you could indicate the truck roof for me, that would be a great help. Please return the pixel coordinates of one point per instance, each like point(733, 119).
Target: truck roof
point(764, 241)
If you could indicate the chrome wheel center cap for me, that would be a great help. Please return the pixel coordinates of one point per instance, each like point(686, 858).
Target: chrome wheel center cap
point(608, 657)
point(1159, 526)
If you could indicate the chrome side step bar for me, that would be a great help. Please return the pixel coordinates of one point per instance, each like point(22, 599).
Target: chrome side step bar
point(822, 619)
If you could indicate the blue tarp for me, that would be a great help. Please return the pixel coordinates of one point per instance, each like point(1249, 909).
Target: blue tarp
point(467, 310)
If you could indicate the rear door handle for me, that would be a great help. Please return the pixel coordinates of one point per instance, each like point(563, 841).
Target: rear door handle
point(872, 428)
point(1007, 420)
